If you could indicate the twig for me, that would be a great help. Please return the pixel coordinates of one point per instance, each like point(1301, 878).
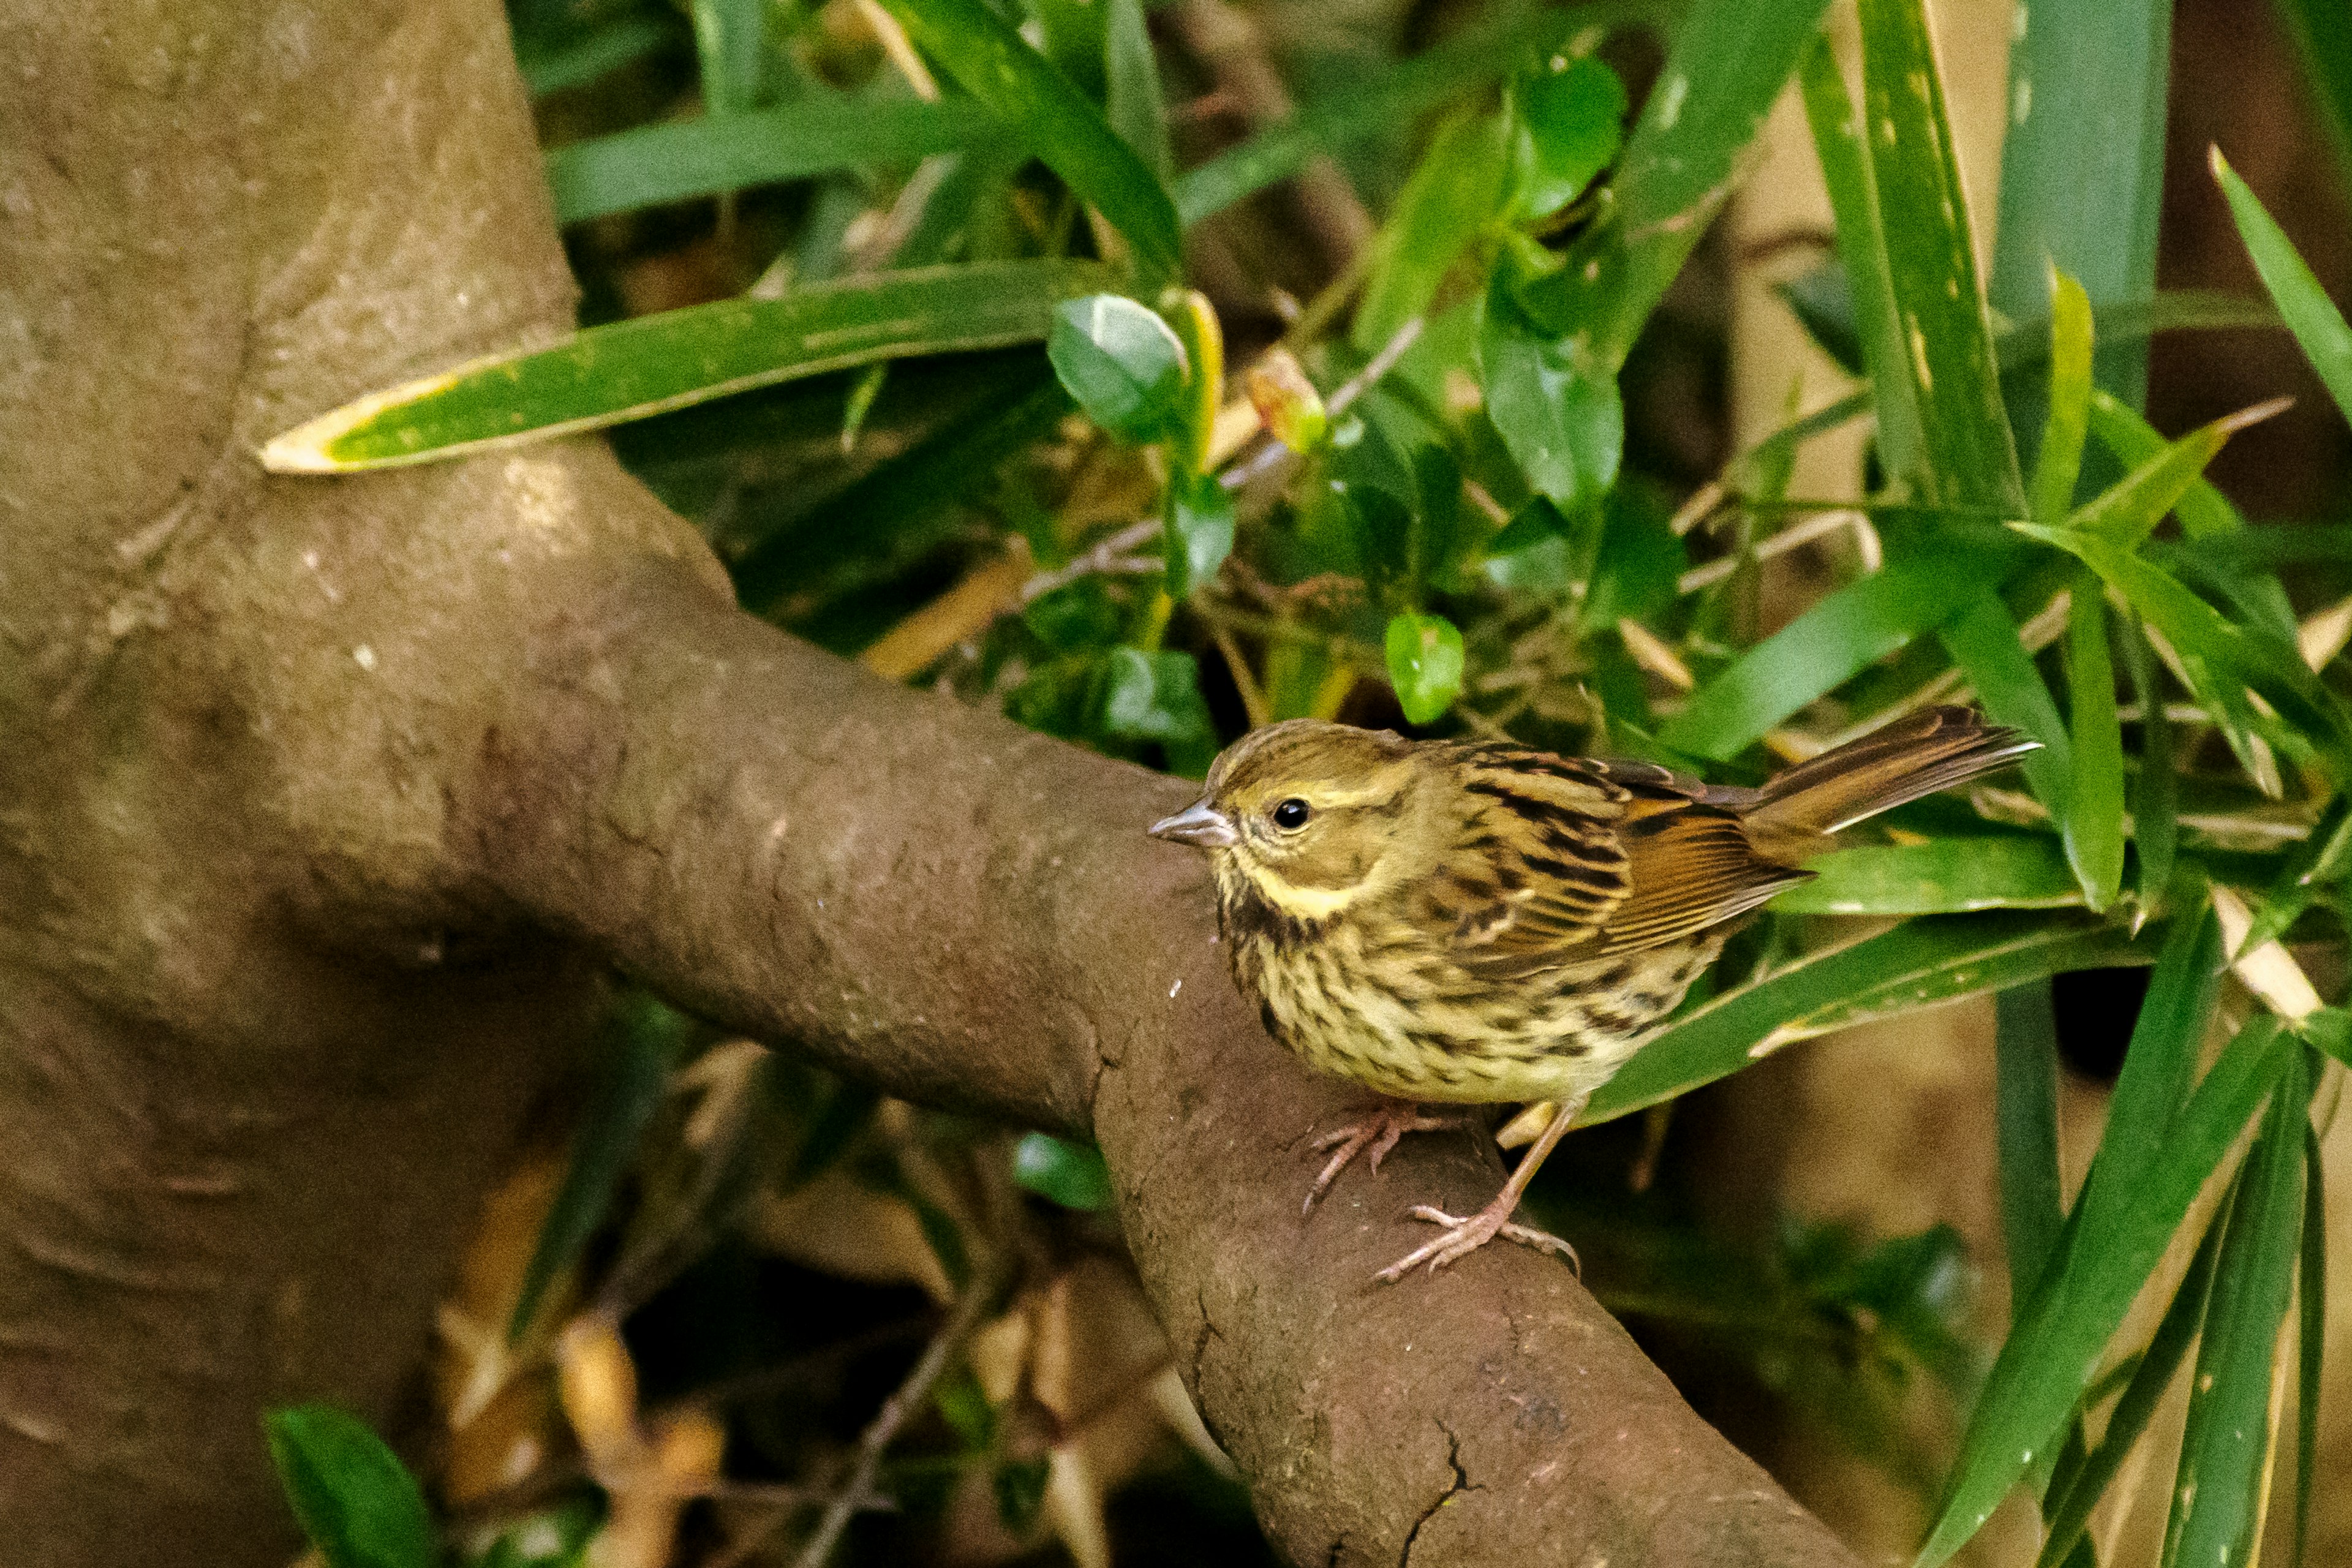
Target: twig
point(1274, 453)
point(1105, 556)
point(1788, 539)
point(908, 1398)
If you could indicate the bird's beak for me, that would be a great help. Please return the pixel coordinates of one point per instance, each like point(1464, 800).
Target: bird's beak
point(1200, 824)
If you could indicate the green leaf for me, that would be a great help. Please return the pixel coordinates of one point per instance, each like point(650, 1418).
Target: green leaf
point(2032, 1202)
point(730, 45)
point(2326, 49)
point(826, 135)
point(1134, 105)
point(2218, 1496)
point(1157, 697)
point(643, 1040)
point(2126, 512)
point(1071, 1175)
point(604, 375)
point(2059, 463)
point(2318, 325)
point(2151, 1166)
point(1983, 640)
point(1053, 119)
point(576, 62)
point(1456, 192)
point(1567, 120)
point(1121, 364)
point(1949, 875)
point(1728, 62)
point(2068, 1511)
point(2081, 166)
point(2156, 789)
point(1424, 657)
point(1920, 963)
point(1199, 534)
point(1969, 458)
point(2310, 1325)
point(1555, 407)
point(2094, 795)
point(1841, 635)
point(355, 1500)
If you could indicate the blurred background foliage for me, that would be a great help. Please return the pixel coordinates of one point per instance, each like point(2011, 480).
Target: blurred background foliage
point(1153, 371)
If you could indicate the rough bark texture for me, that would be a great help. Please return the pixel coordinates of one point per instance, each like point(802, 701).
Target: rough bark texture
point(323, 804)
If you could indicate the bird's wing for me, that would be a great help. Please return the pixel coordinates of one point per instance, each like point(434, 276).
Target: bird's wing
point(1564, 861)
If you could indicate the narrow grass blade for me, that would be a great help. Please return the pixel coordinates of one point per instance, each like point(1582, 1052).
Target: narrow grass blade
point(1445, 207)
point(1052, 118)
point(1983, 641)
point(2156, 789)
point(2318, 325)
point(2082, 165)
point(2033, 1204)
point(1931, 267)
point(1919, 964)
point(579, 61)
point(2068, 1511)
point(1846, 153)
point(1944, 875)
point(1843, 634)
point(604, 375)
point(658, 164)
point(1133, 102)
point(2128, 510)
point(2327, 45)
point(2310, 1325)
point(2219, 1493)
point(2150, 1164)
point(2094, 793)
point(731, 46)
point(2059, 462)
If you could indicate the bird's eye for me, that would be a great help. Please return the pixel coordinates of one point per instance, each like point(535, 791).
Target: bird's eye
point(1290, 814)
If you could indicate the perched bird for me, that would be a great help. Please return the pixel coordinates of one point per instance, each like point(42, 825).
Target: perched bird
point(1480, 922)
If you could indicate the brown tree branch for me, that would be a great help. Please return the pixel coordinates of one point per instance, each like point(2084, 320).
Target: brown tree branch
point(321, 802)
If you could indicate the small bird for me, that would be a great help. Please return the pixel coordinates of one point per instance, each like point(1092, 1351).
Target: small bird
point(1479, 922)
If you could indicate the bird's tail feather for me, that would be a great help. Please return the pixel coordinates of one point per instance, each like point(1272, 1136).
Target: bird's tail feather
point(1917, 755)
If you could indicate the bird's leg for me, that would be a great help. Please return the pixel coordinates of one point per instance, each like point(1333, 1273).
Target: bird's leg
point(1467, 1234)
point(1377, 1134)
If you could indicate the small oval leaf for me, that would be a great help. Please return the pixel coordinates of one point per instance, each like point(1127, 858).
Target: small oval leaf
point(1424, 656)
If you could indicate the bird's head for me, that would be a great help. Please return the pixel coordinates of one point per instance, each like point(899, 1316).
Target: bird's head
point(1310, 814)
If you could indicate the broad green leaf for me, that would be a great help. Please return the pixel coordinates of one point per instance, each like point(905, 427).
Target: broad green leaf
point(1944, 875)
point(1424, 659)
point(1133, 102)
point(603, 376)
point(2311, 1324)
point(2151, 1163)
point(2219, 1491)
point(1121, 364)
point(1841, 635)
point(2059, 462)
point(355, 1500)
point(2318, 325)
point(1983, 641)
point(2127, 510)
point(2326, 47)
point(1157, 697)
point(1931, 267)
point(1919, 964)
point(1456, 191)
point(2068, 1509)
point(1199, 533)
point(658, 164)
point(1845, 160)
point(2032, 1202)
point(2219, 656)
point(2082, 167)
point(643, 1040)
point(2095, 794)
point(1567, 120)
point(1053, 119)
point(1556, 406)
point(1728, 62)
point(1072, 1174)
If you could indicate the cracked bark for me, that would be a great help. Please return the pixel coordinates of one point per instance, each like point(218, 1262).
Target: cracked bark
point(323, 805)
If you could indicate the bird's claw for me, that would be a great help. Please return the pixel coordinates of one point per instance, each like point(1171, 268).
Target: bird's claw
point(1377, 1134)
point(1466, 1233)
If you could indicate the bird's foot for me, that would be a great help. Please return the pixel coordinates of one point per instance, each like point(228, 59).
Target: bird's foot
point(1374, 1136)
point(1467, 1234)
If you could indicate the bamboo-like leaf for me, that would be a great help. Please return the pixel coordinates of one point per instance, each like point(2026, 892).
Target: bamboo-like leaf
point(2032, 1203)
point(1052, 118)
point(2095, 794)
point(2069, 1508)
point(2059, 462)
point(2318, 325)
point(2156, 790)
point(2327, 45)
point(2127, 510)
point(2311, 1324)
point(1453, 194)
point(603, 376)
point(1950, 874)
point(579, 61)
point(2221, 1490)
point(1919, 964)
point(1983, 641)
point(658, 164)
point(1133, 102)
point(2322, 858)
point(1931, 268)
point(730, 45)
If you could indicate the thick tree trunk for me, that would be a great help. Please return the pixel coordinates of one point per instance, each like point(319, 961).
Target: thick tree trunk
point(323, 804)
